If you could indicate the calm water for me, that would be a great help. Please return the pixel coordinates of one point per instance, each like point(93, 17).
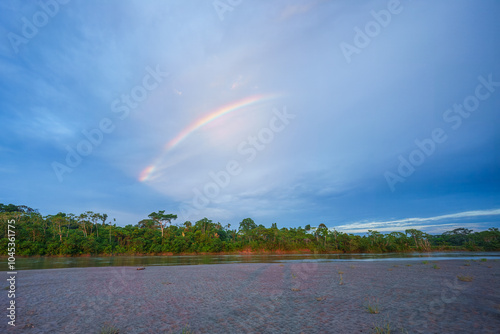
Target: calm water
point(137, 261)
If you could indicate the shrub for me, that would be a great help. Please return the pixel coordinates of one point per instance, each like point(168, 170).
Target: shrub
point(465, 278)
point(110, 330)
point(372, 307)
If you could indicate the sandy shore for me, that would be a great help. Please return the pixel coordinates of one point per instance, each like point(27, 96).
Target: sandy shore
point(411, 297)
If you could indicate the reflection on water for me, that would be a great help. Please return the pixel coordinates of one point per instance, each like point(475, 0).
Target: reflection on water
point(97, 261)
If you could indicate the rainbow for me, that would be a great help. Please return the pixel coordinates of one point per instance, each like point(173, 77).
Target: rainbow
point(234, 106)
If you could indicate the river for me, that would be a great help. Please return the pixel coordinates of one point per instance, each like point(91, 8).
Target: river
point(26, 263)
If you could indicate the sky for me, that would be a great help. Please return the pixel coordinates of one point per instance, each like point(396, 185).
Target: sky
point(381, 115)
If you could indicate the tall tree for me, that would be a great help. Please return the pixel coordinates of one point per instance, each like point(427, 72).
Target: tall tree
point(415, 234)
point(247, 224)
point(82, 219)
point(94, 218)
point(162, 219)
point(58, 220)
point(323, 231)
point(114, 219)
point(246, 227)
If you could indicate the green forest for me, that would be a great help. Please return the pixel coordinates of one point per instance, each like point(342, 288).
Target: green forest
point(92, 233)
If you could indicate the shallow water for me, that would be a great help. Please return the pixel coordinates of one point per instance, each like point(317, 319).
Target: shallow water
point(138, 261)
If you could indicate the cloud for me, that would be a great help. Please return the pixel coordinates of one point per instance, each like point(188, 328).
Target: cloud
point(240, 81)
point(291, 10)
point(352, 120)
point(418, 223)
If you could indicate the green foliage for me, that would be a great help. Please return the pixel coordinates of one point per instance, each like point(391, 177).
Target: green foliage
point(247, 224)
point(465, 278)
point(161, 219)
point(15, 208)
point(88, 233)
point(372, 306)
point(110, 330)
point(384, 329)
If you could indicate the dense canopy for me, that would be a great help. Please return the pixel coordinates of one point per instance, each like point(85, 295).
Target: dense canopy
point(92, 233)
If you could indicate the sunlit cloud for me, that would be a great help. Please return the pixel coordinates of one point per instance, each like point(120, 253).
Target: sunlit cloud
point(417, 223)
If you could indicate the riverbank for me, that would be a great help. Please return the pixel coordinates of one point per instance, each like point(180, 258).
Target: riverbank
point(249, 251)
point(307, 297)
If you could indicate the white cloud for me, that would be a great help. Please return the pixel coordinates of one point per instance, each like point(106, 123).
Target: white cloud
point(418, 223)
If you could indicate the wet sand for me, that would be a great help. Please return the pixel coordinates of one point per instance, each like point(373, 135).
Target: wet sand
point(411, 297)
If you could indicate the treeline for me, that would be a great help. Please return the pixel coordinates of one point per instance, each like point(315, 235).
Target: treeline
point(92, 233)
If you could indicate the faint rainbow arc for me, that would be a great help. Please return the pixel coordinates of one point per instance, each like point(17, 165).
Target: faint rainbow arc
point(245, 102)
point(213, 116)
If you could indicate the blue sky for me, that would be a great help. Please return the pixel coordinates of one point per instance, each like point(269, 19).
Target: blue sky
point(365, 115)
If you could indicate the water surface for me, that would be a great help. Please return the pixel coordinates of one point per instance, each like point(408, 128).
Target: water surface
point(138, 261)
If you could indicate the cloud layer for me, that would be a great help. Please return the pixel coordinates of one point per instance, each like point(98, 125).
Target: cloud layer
point(114, 82)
